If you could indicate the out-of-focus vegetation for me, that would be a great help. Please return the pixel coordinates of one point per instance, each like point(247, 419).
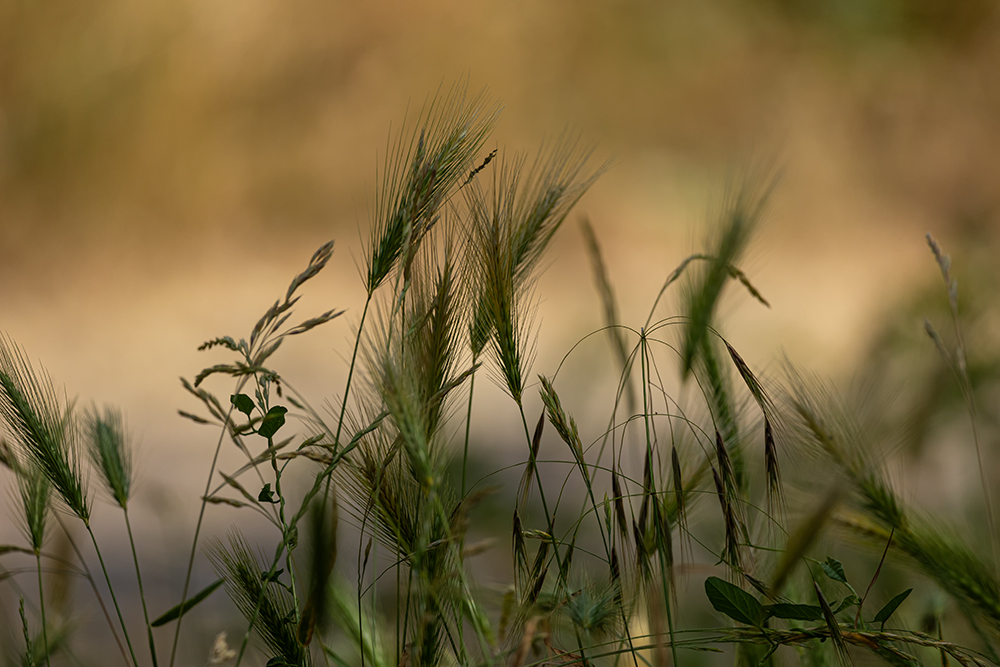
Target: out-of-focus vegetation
point(599, 560)
point(136, 142)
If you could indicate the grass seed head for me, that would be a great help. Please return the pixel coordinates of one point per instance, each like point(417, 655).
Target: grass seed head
point(44, 431)
point(110, 451)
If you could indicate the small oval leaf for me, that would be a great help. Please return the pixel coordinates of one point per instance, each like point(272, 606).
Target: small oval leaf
point(835, 570)
point(890, 607)
point(266, 495)
point(179, 610)
point(243, 403)
point(733, 601)
point(272, 421)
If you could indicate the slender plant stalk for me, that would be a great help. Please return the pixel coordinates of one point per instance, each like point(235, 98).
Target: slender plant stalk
point(350, 371)
point(197, 528)
point(962, 370)
point(114, 598)
point(142, 594)
point(468, 426)
point(41, 605)
point(93, 586)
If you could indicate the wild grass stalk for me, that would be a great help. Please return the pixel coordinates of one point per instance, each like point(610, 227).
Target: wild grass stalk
point(449, 288)
point(960, 365)
point(111, 455)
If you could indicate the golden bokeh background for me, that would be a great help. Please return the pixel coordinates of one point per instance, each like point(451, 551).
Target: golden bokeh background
point(167, 166)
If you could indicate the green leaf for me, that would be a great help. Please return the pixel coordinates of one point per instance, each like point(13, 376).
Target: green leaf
point(885, 612)
point(267, 577)
point(849, 601)
point(243, 403)
point(733, 601)
point(179, 610)
point(834, 570)
point(279, 661)
point(272, 421)
point(266, 495)
point(795, 612)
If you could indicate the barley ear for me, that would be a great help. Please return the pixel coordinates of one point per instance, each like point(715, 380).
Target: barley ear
point(44, 431)
point(110, 452)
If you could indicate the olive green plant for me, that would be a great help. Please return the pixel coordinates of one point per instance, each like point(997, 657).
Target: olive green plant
point(604, 527)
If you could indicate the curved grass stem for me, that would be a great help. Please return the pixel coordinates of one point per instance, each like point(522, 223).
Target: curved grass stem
point(41, 605)
point(142, 593)
point(114, 598)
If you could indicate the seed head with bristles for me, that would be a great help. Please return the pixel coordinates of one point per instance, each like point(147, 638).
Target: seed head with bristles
point(421, 171)
point(110, 453)
point(43, 430)
point(34, 491)
point(511, 226)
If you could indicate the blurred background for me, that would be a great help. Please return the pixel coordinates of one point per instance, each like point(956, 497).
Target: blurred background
point(166, 167)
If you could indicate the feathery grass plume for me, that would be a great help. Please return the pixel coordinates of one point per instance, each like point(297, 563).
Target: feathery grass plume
point(43, 430)
point(35, 492)
point(775, 495)
point(564, 424)
point(731, 552)
point(616, 334)
point(678, 479)
point(619, 502)
point(413, 363)
point(961, 369)
point(382, 488)
point(742, 209)
point(822, 418)
point(594, 611)
point(421, 170)
point(110, 452)
point(750, 380)
point(432, 334)
point(245, 572)
point(733, 507)
point(539, 570)
point(323, 554)
point(363, 630)
point(715, 383)
point(396, 476)
point(772, 471)
point(511, 226)
point(831, 622)
point(500, 313)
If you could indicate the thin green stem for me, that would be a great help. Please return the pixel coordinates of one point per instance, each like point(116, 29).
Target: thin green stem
point(114, 598)
point(350, 371)
point(93, 586)
point(260, 600)
point(285, 528)
point(142, 594)
point(197, 528)
point(468, 425)
point(41, 604)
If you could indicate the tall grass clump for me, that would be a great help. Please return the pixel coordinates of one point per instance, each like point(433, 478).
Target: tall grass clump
point(373, 504)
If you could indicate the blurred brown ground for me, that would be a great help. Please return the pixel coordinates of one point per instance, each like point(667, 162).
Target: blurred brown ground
point(167, 166)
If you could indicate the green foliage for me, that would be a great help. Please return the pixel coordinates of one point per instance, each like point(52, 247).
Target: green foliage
point(182, 608)
point(450, 283)
point(734, 602)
